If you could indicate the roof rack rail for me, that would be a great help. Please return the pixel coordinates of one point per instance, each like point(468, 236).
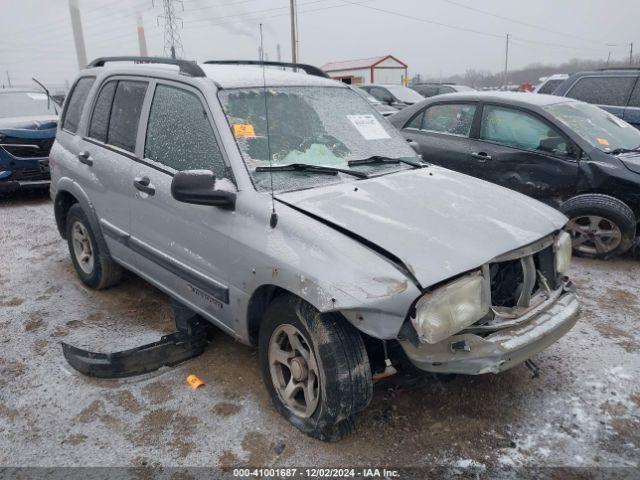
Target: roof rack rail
point(186, 66)
point(617, 68)
point(309, 69)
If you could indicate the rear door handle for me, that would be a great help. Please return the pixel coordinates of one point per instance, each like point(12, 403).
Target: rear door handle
point(144, 185)
point(481, 156)
point(85, 158)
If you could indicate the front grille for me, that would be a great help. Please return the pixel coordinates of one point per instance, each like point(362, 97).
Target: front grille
point(27, 147)
point(514, 282)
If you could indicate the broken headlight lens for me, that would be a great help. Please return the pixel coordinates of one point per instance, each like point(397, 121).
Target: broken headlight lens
point(563, 252)
point(451, 308)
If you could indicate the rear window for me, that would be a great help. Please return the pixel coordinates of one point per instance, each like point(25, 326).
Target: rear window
point(125, 114)
point(76, 103)
point(550, 86)
point(612, 91)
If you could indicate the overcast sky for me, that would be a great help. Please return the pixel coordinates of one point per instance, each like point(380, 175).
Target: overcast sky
point(37, 38)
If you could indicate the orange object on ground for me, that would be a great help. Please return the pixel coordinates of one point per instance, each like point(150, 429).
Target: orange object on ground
point(194, 381)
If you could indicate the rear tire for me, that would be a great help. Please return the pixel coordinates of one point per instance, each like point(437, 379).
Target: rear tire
point(600, 226)
point(92, 262)
point(337, 374)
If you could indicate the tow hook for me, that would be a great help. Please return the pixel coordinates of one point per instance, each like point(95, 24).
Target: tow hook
point(189, 341)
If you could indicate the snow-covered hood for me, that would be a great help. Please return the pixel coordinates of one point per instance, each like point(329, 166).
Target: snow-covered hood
point(40, 122)
point(438, 222)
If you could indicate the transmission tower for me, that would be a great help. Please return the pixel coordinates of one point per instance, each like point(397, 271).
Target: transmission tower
point(172, 41)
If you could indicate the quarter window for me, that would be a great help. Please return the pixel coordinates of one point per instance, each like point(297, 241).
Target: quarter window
point(179, 134)
point(101, 112)
point(454, 118)
point(521, 130)
point(612, 91)
point(76, 103)
point(125, 114)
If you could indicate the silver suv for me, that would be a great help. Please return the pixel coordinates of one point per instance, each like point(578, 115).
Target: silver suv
point(281, 207)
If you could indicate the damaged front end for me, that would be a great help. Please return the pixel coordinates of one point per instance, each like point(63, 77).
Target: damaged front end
point(497, 317)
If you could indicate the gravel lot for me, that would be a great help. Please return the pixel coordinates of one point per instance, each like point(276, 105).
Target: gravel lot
point(581, 411)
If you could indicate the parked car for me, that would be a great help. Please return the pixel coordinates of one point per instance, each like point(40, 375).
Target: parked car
point(615, 90)
point(566, 153)
point(432, 89)
point(28, 120)
point(397, 96)
point(550, 83)
point(314, 231)
point(382, 108)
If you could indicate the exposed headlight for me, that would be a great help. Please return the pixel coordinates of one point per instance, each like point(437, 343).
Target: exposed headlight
point(563, 252)
point(449, 309)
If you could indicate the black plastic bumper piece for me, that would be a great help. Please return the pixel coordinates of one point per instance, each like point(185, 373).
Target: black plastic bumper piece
point(189, 341)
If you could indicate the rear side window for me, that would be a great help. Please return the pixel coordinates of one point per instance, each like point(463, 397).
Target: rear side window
point(179, 134)
point(428, 91)
point(612, 91)
point(101, 112)
point(454, 119)
point(521, 130)
point(76, 103)
point(125, 114)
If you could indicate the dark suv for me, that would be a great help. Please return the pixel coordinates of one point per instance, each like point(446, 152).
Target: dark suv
point(617, 91)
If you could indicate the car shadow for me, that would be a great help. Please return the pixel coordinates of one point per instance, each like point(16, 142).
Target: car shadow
point(25, 196)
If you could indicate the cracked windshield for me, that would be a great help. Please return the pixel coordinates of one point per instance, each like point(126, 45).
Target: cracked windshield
point(318, 126)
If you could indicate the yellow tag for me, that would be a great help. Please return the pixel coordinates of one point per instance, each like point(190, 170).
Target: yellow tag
point(243, 130)
point(194, 381)
point(602, 141)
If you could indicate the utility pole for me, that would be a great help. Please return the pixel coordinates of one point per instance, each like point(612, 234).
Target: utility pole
point(172, 40)
point(506, 64)
point(294, 33)
point(8, 79)
point(142, 41)
point(78, 36)
point(631, 53)
point(608, 58)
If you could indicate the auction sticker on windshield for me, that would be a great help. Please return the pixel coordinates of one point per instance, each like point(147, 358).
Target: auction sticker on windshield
point(368, 126)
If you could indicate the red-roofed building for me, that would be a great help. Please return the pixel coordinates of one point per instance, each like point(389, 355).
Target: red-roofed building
point(386, 69)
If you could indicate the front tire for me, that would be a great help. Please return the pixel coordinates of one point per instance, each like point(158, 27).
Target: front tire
point(315, 368)
point(600, 226)
point(93, 264)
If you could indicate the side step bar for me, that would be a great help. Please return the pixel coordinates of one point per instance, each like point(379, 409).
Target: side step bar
point(189, 341)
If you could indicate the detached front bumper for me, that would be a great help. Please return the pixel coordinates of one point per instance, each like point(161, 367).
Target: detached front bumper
point(500, 350)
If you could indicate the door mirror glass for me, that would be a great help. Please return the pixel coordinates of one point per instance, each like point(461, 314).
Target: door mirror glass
point(199, 187)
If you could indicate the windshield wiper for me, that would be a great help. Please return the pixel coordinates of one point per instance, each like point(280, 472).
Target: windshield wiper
point(618, 151)
point(378, 160)
point(304, 167)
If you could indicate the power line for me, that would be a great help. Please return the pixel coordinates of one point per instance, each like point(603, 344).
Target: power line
point(520, 22)
point(457, 27)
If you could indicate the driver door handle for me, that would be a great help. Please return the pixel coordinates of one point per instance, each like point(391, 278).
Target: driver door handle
point(85, 158)
point(144, 185)
point(483, 156)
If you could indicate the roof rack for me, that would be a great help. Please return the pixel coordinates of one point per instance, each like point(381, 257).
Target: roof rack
point(186, 66)
point(617, 68)
point(309, 69)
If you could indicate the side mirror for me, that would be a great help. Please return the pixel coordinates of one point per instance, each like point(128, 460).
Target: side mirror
point(416, 147)
point(198, 187)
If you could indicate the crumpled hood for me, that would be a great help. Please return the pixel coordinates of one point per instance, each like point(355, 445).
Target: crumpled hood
point(40, 122)
point(438, 222)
